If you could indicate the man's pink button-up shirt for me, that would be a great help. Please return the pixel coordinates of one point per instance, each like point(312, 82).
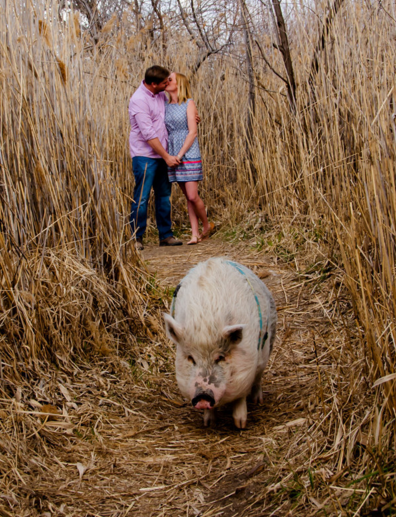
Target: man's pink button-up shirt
point(147, 117)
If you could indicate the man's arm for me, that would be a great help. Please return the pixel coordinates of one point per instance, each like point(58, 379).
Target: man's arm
point(156, 146)
point(143, 120)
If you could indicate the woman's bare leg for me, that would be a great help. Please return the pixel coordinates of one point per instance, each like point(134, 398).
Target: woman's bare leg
point(191, 214)
point(192, 196)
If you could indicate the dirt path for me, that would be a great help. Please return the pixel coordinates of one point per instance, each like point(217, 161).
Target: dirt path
point(143, 451)
point(171, 264)
point(224, 471)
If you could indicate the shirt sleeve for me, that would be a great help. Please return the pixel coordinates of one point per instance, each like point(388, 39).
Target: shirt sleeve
point(140, 112)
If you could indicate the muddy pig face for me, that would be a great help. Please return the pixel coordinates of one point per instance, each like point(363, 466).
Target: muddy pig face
point(204, 367)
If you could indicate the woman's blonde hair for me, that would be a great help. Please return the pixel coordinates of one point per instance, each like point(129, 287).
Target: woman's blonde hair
point(183, 87)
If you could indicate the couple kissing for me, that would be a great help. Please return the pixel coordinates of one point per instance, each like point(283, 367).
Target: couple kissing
point(164, 148)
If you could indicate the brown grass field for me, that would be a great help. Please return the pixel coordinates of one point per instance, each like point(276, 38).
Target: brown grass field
point(91, 421)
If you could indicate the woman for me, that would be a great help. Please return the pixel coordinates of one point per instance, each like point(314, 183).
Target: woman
point(180, 121)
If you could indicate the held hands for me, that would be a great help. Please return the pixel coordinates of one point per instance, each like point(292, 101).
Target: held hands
point(172, 161)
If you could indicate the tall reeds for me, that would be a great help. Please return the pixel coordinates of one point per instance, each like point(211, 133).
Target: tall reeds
point(68, 277)
point(332, 161)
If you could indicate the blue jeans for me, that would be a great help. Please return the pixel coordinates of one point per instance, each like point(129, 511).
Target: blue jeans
point(151, 172)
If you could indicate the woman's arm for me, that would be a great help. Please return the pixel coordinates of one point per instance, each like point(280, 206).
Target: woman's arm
point(192, 129)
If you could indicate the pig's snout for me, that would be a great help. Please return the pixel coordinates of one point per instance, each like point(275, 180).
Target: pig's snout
point(204, 400)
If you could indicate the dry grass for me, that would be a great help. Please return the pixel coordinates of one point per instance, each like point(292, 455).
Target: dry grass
point(79, 320)
point(121, 441)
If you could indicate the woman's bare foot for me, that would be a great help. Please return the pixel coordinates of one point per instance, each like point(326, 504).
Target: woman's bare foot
point(194, 240)
point(205, 229)
point(208, 232)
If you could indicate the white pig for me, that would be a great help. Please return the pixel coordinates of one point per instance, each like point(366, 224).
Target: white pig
point(223, 322)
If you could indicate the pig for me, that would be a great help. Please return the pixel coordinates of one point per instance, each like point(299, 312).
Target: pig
point(223, 323)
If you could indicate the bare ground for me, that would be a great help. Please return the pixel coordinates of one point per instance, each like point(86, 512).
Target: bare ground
point(127, 444)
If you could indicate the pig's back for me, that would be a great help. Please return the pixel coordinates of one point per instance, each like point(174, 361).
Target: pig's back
point(269, 314)
point(220, 292)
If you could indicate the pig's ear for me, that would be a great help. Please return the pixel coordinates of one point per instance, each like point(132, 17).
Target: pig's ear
point(233, 334)
point(174, 330)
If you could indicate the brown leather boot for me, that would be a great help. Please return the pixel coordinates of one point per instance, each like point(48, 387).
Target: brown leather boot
point(139, 244)
point(170, 241)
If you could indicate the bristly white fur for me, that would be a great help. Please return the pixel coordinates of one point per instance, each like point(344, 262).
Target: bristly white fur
point(216, 328)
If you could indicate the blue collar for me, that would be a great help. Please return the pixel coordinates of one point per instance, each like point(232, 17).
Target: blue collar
point(263, 336)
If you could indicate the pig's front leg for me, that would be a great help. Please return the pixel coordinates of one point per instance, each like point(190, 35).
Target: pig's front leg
point(257, 390)
point(209, 417)
point(240, 413)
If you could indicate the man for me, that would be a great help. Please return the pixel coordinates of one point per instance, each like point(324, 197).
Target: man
point(148, 143)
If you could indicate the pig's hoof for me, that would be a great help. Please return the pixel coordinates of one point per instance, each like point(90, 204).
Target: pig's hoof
point(209, 417)
point(240, 413)
point(257, 395)
point(240, 423)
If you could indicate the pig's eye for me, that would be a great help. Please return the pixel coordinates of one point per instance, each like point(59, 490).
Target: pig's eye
point(219, 359)
point(191, 359)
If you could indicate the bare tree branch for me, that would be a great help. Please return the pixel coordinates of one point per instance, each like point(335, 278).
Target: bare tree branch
point(187, 25)
point(322, 39)
point(157, 9)
point(285, 51)
point(207, 44)
point(201, 32)
point(202, 59)
point(268, 63)
point(252, 91)
point(137, 10)
point(385, 11)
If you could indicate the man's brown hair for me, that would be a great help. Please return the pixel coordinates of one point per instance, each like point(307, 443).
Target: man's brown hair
point(156, 74)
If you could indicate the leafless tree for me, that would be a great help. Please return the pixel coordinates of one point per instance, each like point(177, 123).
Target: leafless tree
point(211, 27)
point(95, 13)
point(284, 48)
point(332, 12)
